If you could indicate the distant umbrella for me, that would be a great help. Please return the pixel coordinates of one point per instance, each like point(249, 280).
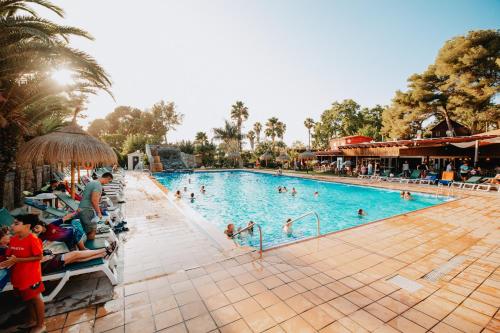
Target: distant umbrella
point(267, 156)
point(307, 155)
point(233, 154)
point(67, 145)
point(283, 157)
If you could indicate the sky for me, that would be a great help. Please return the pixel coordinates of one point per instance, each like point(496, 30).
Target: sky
point(283, 58)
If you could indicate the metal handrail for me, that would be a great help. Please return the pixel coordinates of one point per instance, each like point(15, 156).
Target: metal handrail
point(307, 214)
point(249, 227)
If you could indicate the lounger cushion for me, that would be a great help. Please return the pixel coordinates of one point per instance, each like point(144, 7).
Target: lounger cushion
point(95, 244)
point(5, 218)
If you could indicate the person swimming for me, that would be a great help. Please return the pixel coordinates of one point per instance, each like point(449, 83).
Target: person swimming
point(402, 194)
point(287, 227)
point(407, 196)
point(185, 189)
point(178, 194)
point(294, 191)
point(285, 189)
point(229, 230)
point(316, 193)
point(361, 212)
point(279, 189)
point(202, 189)
point(192, 197)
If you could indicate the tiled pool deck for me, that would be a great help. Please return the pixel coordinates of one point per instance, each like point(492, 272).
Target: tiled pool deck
point(177, 279)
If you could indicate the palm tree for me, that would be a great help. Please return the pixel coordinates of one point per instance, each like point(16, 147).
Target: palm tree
point(309, 123)
point(239, 113)
point(227, 133)
point(280, 130)
point(201, 138)
point(271, 130)
point(257, 128)
point(30, 47)
point(251, 138)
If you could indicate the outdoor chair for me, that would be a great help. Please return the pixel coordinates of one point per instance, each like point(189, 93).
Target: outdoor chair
point(414, 177)
point(5, 218)
point(469, 184)
point(447, 178)
point(45, 208)
point(429, 180)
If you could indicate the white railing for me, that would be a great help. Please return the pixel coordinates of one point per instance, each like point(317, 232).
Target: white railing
point(305, 215)
point(251, 227)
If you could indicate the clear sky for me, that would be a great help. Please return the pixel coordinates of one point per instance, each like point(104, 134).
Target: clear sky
point(283, 58)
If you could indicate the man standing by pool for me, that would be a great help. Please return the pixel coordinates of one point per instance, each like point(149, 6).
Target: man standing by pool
point(89, 206)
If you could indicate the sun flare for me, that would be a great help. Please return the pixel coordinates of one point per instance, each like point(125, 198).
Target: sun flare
point(63, 76)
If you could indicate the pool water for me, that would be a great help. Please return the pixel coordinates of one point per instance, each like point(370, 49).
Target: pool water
point(240, 196)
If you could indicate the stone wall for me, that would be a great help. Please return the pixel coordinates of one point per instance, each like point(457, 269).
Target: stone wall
point(24, 179)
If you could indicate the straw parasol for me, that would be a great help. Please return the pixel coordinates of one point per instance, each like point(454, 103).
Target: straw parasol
point(283, 157)
point(267, 156)
point(68, 145)
point(307, 155)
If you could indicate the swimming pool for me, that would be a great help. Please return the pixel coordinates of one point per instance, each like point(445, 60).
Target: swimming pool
point(240, 196)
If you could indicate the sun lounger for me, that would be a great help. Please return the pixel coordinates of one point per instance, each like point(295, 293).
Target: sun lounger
point(5, 218)
point(429, 180)
point(469, 184)
point(44, 208)
point(414, 177)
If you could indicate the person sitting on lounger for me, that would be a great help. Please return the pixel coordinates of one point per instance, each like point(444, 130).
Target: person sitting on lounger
point(54, 263)
point(72, 236)
point(287, 227)
point(494, 181)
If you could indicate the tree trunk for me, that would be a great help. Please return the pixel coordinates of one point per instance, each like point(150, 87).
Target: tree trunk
point(448, 121)
point(309, 133)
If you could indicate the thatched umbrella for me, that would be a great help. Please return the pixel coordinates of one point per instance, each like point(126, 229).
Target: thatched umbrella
point(283, 157)
point(307, 155)
point(68, 145)
point(267, 156)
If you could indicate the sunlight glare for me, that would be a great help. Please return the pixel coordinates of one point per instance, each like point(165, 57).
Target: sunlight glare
point(63, 76)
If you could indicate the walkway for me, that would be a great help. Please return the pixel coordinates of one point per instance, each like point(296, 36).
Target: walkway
point(445, 259)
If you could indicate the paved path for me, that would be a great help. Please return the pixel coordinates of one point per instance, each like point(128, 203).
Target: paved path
point(337, 283)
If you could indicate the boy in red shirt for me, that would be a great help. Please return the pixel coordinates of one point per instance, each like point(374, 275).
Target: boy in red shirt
point(23, 257)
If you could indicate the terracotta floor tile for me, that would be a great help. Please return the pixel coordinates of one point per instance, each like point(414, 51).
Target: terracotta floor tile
point(138, 313)
point(481, 307)
point(371, 293)
point(471, 315)
point(82, 327)
point(335, 327)
point(280, 312)
point(297, 324)
point(266, 299)
point(272, 282)
point(284, 292)
point(444, 328)
point(208, 290)
point(392, 304)
point(192, 310)
point(343, 305)
point(136, 300)
point(324, 293)
point(201, 324)
point(146, 325)
point(225, 315)
point(420, 318)
point(227, 284)
point(164, 304)
point(109, 307)
point(308, 283)
point(351, 283)
point(216, 301)
point(168, 318)
point(299, 303)
point(259, 321)
point(239, 326)
point(236, 294)
point(110, 321)
point(386, 329)
point(366, 320)
point(55, 322)
point(404, 325)
point(462, 324)
point(351, 325)
point(247, 306)
point(255, 288)
point(275, 329)
point(358, 299)
point(381, 312)
point(317, 317)
point(78, 316)
point(311, 297)
point(186, 297)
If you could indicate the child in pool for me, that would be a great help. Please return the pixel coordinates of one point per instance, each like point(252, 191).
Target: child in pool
point(287, 227)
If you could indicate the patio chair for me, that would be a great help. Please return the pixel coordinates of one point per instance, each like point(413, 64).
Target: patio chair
point(447, 177)
point(468, 184)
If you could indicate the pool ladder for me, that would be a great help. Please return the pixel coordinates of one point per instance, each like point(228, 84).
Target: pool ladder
point(291, 223)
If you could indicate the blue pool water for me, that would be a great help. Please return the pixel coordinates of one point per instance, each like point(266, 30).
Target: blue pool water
point(240, 196)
